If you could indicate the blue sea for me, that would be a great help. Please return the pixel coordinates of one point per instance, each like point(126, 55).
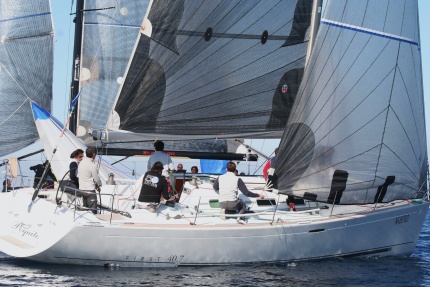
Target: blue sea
point(403, 271)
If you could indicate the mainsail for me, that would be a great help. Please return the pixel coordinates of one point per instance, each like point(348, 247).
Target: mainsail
point(213, 69)
point(26, 65)
point(357, 130)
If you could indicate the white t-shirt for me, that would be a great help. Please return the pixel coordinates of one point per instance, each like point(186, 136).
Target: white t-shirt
point(164, 159)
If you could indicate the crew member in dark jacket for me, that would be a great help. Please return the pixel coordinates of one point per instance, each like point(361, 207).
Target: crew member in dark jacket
point(154, 185)
point(38, 169)
point(77, 157)
point(7, 185)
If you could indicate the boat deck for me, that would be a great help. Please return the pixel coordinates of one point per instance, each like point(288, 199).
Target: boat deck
point(199, 205)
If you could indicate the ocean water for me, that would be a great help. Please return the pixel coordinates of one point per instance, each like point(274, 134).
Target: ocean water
point(396, 271)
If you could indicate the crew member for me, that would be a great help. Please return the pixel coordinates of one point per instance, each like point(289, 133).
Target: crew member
point(89, 179)
point(160, 156)
point(228, 185)
point(154, 186)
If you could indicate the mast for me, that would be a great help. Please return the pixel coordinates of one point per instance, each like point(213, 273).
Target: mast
point(315, 24)
point(74, 88)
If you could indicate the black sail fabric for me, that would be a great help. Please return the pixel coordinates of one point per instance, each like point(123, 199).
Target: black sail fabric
point(26, 67)
point(110, 30)
point(357, 131)
point(212, 68)
point(147, 84)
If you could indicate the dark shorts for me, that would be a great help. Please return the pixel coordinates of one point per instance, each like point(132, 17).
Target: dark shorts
point(238, 206)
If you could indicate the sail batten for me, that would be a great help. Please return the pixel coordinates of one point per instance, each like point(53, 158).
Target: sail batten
point(369, 31)
point(119, 25)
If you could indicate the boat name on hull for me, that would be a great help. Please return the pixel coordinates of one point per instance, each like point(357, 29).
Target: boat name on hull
point(25, 230)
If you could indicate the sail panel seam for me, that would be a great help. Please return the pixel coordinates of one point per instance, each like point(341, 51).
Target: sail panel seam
point(412, 115)
point(10, 39)
point(389, 100)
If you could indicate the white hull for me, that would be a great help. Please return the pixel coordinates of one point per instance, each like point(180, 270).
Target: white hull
point(390, 230)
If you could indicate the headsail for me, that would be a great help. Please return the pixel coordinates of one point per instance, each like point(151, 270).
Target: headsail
point(109, 35)
point(26, 65)
point(59, 143)
point(110, 29)
point(213, 69)
point(358, 122)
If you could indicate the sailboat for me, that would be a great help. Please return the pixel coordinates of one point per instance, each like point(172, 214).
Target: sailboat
point(352, 156)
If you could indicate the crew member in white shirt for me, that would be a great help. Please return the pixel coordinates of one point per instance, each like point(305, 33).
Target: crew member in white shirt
point(160, 156)
point(89, 179)
point(228, 185)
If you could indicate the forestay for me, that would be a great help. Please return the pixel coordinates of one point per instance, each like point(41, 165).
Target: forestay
point(358, 121)
point(26, 64)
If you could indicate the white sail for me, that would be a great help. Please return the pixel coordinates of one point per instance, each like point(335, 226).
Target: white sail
point(360, 109)
point(59, 143)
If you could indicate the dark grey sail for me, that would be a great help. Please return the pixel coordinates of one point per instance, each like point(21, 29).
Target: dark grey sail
point(26, 65)
point(110, 29)
point(211, 69)
point(357, 130)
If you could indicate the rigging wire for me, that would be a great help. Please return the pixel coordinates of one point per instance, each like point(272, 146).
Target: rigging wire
point(5, 120)
point(66, 87)
point(47, 166)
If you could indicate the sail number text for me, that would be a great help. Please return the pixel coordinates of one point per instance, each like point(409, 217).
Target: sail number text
point(402, 219)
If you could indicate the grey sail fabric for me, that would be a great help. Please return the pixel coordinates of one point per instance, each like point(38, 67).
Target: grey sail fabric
point(26, 65)
point(214, 69)
point(357, 131)
point(108, 40)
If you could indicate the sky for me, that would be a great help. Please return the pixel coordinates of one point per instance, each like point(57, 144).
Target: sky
point(63, 49)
